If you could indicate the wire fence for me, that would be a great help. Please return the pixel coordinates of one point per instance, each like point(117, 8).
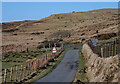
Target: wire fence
point(32, 66)
point(106, 49)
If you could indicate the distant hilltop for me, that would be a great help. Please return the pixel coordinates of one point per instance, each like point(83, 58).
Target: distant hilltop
point(100, 24)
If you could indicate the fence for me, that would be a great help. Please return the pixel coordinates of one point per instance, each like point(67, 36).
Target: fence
point(106, 49)
point(20, 73)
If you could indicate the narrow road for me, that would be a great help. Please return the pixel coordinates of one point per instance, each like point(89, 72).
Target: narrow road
point(66, 70)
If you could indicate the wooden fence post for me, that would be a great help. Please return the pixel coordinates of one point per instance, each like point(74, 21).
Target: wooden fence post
point(102, 52)
point(55, 44)
point(44, 46)
point(115, 47)
point(110, 49)
point(38, 63)
point(27, 50)
point(24, 72)
point(35, 65)
point(46, 56)
point(41, 61)
point(16, 73)
point(27, 69)
point(30, 68)
point(105, 51)
point(46, 60)
point(117, 50)
point(11, 74)
point(49, 46)
point(62, 46)
point(21, 73)
point(5, 76)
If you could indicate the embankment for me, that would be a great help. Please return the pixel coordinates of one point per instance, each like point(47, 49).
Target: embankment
point(100, 69)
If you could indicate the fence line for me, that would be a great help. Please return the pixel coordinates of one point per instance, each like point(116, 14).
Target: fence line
point(105, 50)
point(20, 73)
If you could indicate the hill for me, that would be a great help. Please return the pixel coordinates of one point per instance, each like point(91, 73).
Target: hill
point(71, 27)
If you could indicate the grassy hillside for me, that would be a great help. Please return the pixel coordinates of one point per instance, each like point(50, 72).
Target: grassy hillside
point(23, 34)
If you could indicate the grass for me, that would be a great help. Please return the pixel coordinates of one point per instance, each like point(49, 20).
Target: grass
point(20, 58)
point(80, 75)
point(49, 68)
point(41, 73)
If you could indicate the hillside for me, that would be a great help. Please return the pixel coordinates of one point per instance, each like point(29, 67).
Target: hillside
point(18, 36)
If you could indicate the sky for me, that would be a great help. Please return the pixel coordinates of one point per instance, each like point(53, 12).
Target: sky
point(19, 11)
point(60, 0)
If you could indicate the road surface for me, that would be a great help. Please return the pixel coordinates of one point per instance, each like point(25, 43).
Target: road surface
point(65, 71)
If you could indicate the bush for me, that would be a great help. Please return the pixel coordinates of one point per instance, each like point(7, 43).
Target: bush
point(60, 34)
point(106, 36)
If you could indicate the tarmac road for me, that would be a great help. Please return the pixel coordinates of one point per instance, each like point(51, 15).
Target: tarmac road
point(65, 71)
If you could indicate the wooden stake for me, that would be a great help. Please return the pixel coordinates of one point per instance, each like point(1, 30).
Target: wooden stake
point(5, 75)
point(27, 67)
point(62, 46)
point(115, 47)
point(110, 50)
point(55, 44)
point(45, 60)
point(35, 66)
point(21, 73)
point(30, 69)
point(24, 72)
point(107, 51)
point(49, 45)
point(102, 52)
point(11, 74)
point(37, 63)
point(16, 72)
